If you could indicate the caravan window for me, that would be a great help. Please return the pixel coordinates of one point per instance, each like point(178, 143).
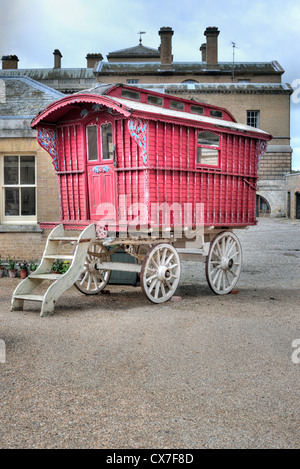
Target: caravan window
point(208, 148)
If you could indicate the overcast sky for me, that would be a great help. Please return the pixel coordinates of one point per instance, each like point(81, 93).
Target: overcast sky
point(262, 30)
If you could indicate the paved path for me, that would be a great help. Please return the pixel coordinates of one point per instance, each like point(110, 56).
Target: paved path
point(115, 371)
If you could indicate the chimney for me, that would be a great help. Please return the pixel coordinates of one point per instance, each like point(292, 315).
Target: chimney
point(9, 62)
point(92, 59)
point(166, 57)
point(211, 34)
point(57, 58)
point(203, 52)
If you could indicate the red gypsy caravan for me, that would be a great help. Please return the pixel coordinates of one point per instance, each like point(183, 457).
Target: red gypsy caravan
point(158, 176)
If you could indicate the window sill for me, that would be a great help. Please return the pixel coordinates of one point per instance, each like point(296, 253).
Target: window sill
point(34, 228)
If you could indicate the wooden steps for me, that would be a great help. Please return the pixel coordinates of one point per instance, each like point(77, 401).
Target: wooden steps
point(29, 297)
point(59, 282)
point(59, 256)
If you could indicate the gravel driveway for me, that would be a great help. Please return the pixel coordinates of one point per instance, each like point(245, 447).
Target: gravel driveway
point(115, 371)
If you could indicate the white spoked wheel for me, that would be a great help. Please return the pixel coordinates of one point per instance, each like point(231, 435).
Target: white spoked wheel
point(224, 263)
point(160, 273)
point(92, 280)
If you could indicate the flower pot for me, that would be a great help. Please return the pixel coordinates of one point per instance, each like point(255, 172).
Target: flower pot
point(12, 273)
point(23, 273)
point(1, 272)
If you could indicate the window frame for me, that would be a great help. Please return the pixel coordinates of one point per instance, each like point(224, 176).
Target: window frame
point(17, 219)
point(159, 103)
point(130, 94)
point(209, 147)
point(90, 160)
point(251, 117)
point(102, 158)
point(175, 105)
point(216, 114)
point(194, 111)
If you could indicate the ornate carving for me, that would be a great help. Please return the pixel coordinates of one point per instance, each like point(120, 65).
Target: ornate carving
point(139, 132)
point(261, 148)
point(47, 140)
point(101, 169)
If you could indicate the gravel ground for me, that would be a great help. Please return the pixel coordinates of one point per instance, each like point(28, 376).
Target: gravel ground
point(115, 371)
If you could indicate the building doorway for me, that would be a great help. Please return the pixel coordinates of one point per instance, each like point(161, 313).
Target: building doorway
point(263, 208)
point(297, 196)
point(288, 211)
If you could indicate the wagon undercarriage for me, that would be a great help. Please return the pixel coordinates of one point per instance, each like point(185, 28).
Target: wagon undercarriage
point(157, 262)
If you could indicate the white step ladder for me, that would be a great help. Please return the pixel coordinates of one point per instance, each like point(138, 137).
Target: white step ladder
point(61, 282)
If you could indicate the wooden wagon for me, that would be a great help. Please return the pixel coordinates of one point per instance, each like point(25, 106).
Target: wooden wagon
point(159, 176)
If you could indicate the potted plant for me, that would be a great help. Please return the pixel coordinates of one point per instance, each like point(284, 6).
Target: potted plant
point(1, 267)
point(60, 267)
point(65, 266)
point(23, 268)
point(32, 267)
point(57, 266)
point(12, 271)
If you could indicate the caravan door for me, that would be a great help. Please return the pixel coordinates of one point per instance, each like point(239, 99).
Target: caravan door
point(101, 171)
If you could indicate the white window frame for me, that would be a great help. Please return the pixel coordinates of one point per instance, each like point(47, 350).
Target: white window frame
point(17, 219)
point(209, 147)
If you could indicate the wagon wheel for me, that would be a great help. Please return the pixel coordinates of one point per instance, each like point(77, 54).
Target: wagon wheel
point(92, 280)
point(224, 263)
point(160, 272)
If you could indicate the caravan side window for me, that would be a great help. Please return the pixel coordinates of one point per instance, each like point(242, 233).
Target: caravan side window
point(208, 149)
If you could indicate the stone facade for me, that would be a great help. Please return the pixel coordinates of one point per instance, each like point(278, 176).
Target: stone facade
point(293, 195)
point(27, 241)
point(22, 98)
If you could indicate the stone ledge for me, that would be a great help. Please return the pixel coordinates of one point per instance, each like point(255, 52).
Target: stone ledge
point(20, 229)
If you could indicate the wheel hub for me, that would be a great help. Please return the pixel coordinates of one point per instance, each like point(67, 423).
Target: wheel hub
point(163, 273)
point(226, 263)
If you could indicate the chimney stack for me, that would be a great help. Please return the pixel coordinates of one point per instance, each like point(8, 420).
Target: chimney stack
point(203, 52)
point(211, 34)
point(92, 59)
point(57, 58)
point(166, 57)
point(9, 62)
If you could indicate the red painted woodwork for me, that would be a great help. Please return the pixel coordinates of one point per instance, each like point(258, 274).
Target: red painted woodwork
point(152, 160)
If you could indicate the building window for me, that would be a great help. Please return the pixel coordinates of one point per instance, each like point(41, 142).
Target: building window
point(208, 149)
point(19, 188)
point(253, 118)
point(132, 82)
